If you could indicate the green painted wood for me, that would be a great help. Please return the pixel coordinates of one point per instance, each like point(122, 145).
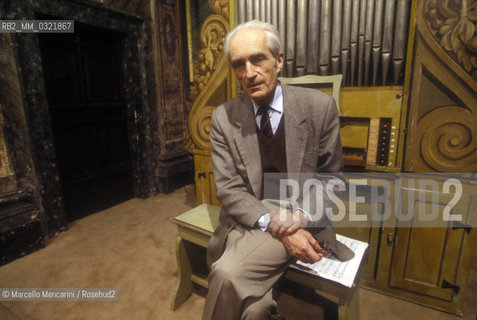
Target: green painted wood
point(203, 218)
point(184, 285)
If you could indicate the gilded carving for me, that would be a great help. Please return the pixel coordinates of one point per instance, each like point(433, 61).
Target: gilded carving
point(454, 25)
point(209, 72)
point(212, 38)
point(449, 142)
point(200, 130)
point(203, 127)
point(220, 7)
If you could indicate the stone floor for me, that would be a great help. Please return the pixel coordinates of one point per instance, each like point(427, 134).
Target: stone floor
point(131, 247)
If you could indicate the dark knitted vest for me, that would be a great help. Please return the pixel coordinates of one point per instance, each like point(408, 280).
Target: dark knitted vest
point(273, 155)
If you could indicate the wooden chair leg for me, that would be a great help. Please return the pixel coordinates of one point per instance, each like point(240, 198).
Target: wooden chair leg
point(184, 285)
point(348, 309)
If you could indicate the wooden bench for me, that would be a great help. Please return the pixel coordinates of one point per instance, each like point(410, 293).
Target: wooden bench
point(195, 227)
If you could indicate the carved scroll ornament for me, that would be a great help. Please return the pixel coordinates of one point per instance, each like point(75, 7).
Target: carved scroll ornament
point(212, 38)
point(449, 142)
point(453, 23)
point(220, 7)
point(209, 73)
point(200, 132)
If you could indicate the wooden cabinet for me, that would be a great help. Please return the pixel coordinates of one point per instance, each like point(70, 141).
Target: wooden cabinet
point(431, 262)
point(416, 254)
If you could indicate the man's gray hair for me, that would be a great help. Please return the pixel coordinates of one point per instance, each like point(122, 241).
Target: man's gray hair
point(274, 43)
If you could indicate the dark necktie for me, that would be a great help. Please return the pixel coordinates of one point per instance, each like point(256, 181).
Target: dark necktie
point(265, 125)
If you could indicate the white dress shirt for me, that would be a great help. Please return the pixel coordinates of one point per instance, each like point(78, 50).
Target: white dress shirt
point(275, 113)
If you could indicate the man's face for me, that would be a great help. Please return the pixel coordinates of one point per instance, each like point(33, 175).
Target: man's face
point(254, 64)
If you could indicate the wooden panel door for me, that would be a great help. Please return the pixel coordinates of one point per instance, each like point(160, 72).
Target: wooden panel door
point(83, 79)
point(428, 256)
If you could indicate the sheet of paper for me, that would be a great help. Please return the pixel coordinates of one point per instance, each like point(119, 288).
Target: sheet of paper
point(335, 270)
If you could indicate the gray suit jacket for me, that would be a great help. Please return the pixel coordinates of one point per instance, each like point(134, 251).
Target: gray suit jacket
point(312, 144)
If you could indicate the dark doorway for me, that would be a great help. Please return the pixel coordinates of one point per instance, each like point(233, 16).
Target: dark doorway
point(83, 82)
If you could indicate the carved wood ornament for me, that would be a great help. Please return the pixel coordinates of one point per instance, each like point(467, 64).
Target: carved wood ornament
point(443, 133)
point(209, 73)
point(453, 25)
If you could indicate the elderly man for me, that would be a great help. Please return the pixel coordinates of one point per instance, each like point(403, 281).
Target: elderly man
point(270, 128)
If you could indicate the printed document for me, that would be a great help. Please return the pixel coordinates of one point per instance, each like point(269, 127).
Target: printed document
point(333, 269)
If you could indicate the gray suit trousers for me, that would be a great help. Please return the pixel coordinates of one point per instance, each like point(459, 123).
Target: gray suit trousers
point(242, 279)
